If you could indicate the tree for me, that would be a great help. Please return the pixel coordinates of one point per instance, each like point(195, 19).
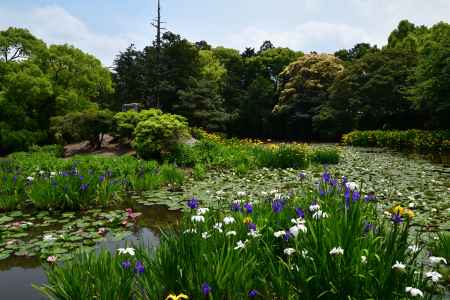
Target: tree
point(39, 82)
point(17, 44)
point(78, 79)
point(357, 52)
point(266, 45)
point(129, 76)
point(248, 52)
point(431, 92)
point(371, 91)
point(303, 89)
point(202, 103)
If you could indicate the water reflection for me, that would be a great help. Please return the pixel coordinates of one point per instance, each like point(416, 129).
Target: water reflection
point(17, 274)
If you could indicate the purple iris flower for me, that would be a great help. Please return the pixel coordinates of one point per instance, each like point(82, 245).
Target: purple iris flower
point(301, 175)
point(139, 268)
point(287, 235)
point(14, 178)
point(396, 218)
point(326, 177)
point(248, 208)
point(81, 177)
point(300, 213)
point(84, 187)
point(65, 174)
point(277, 206)
point(193, 203)
point(369, 197)
point(321, 192)
point(206, 289)
point(333, 182)
point(101, 178)
point(251, 226)
point(367, 227)
point(347, 193)
point(356, 196)
point(344, 179)
point(126, 264)
point(253, 293)
point(235, 206)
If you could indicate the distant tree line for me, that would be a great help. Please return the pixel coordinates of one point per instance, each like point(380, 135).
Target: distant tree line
point(280, 93)
point(270, 92)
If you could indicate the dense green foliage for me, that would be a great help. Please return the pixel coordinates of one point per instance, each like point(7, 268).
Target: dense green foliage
point(42, 181)
point(159, 135)
point(272, 92)
point(78, 126)
point(38, 82)
point(240, 155)
point(268, 248)
point(407, 139)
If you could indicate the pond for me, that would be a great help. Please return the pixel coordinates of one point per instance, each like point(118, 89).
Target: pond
point(30, 237)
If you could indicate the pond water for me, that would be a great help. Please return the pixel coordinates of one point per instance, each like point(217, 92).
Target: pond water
point(395, 177)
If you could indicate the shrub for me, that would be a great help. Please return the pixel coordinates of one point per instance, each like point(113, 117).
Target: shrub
point(125, 122)
point(159, 135)
point(20, 140)
point(420, 140)
point(90, 124)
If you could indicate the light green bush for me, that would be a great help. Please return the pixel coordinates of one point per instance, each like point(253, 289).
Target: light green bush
point(159, 135)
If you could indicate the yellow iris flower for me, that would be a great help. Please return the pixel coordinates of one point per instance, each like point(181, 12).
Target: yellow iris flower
point(247, 220)
point(179, 297)
point(403, 211)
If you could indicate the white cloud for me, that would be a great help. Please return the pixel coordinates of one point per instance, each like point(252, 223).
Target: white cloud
point(55, 25)
point(310, 36)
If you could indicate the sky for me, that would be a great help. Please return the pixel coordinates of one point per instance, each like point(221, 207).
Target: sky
point(106, 27)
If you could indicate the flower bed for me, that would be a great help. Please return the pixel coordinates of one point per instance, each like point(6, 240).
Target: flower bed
point(325, 241)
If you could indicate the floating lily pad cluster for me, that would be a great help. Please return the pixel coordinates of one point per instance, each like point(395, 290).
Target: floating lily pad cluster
point(43, 234)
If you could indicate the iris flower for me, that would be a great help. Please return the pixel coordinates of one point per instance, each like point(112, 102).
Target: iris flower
point(128, 250)
point(277, 206)
point(300, 213)
point(289, 251)
point(206, 289)
point(139, 268)
point(413, 291)
point(240, 245)
point(198, 219)
point(336, 251)
point(193, 203)
point(434, 276)
point(177, 297)
point(248, 207)
point(399, 266)
point(228, 220)
point(437, 260)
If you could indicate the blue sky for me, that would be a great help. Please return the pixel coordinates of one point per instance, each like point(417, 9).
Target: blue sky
point(105, 27)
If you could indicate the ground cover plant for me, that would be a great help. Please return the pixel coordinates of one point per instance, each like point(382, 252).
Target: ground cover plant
point(324, 240)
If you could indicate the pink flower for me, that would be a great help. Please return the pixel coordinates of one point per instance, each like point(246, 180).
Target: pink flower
point(52, 259)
